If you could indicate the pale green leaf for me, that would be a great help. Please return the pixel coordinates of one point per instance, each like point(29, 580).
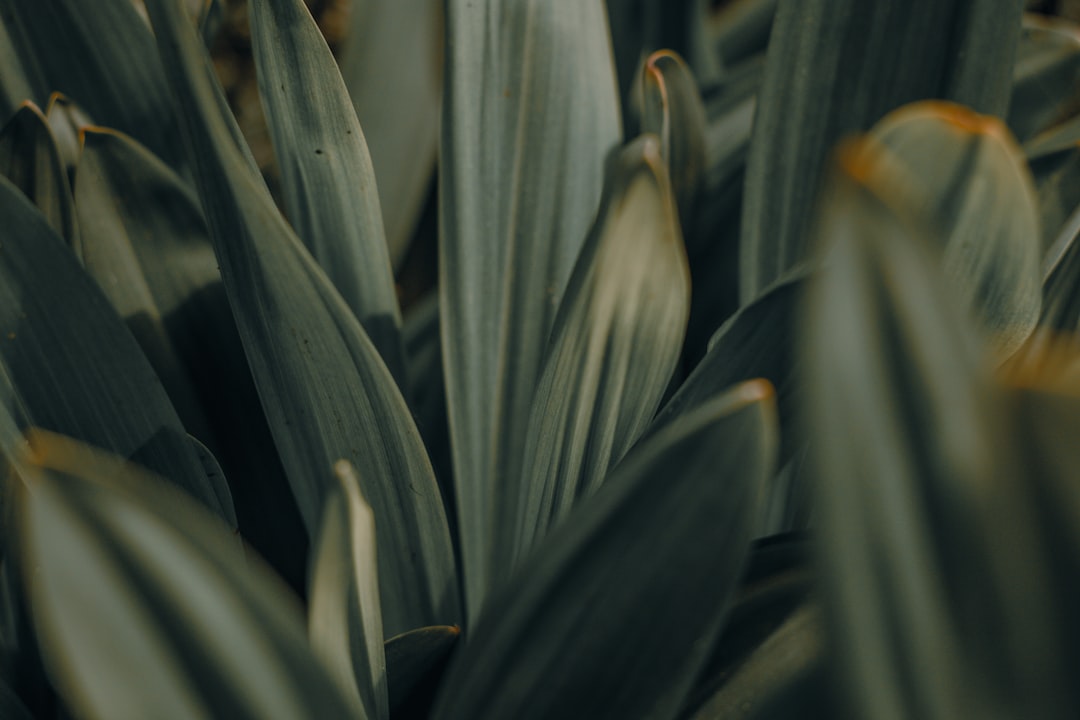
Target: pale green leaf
point(145, 606)
point(344, 617)
point(326, 174)
point(615, 343)
point(66, 119)
point(326, 392)
point(529, 113)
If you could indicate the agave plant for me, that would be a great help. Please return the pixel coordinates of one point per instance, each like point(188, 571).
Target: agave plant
point(745, 390)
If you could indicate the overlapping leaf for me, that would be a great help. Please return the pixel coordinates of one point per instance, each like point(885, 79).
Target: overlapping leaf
point(963, 174)
point(518, 190)
point(325, 390)
point(344, 616)
point(145, 606)
point(615, 343)
point(1045, 78)
point(66, 119)
point(328, 182)
point(415, 663)
point(107, 64)
point(30, 158)
point(148, 246)
point(73, 363)
point(836, 67)
point(637, 581)
point(398, 109)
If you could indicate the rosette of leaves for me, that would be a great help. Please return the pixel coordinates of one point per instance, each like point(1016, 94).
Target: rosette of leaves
point(607, 469)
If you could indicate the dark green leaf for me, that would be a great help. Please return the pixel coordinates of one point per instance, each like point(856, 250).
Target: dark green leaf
point(107, 65)
point(518, 190)
point(614, 345)
point(1061, 137)
point(144, 605)
point(837, 66)
point(398, 109)
point(741, 29)
point(415, 663)
point(30, 158)
point(963, 175)
point(11, 707)
point(344, 617)
point(21, 80)
point(66, 120)
point(1046, 77)
point(1057, 180)
point(133, 202)
point(636, 583)
point(73, 363)
point(326, 392)
point(326, 174)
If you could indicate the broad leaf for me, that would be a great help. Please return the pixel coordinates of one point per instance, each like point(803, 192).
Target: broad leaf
point(30, 158)
point(326, 392)
point(107, 65)
point(637, 582)
point(326, 174)
point(518, 190)
point(614, 346)
point(398, 109)
point(837, 66)
point(73, 363)
point(145, 606)
point(963, 174)
point(135, 210)
point(344, 617)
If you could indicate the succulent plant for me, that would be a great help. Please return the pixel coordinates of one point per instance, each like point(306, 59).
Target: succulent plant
point(746, 388)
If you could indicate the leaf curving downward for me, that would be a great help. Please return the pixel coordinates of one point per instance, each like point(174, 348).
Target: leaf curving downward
point(637, 581)
point(326, 392)
point(615, 343)
point(326, 174)
point(518, 189)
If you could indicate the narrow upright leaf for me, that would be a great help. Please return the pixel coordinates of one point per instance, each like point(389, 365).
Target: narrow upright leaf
point(326, 392)
point(398, 109)
point(31, 159)
point(615, 343)
point(74, 364)
point(66, 119)
point(518, 190)
point(837, 66)
point(612, 617)
point(328, 182)
point(344, 617)
point(1045, 78)
point(144, 606)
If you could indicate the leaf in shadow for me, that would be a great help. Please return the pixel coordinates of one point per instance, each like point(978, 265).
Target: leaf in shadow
point(31, 160)
point(856, 62)
point(615, 343)
point(326, 174)
point(133, 580)
point(613, 614)
point(326, 392)
point(415, 664)
point(1046, 76)
point(66, 120)
point(74, 364)
point(518, 190)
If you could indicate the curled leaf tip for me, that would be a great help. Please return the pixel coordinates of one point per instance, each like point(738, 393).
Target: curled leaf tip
point(756, 390)
point(857, 157)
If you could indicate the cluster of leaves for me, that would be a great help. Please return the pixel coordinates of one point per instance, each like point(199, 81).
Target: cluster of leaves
point(746, 390)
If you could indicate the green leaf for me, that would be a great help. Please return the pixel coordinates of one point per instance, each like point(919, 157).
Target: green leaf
point(1058, 138)
point(518, 190)
point(637, 581)
point(74, 364)
point(1045, 78)
point(115, 204)
point(344, 617)
point(922, 532)
point(326, 392)
point(145, 606)
point(1057, 182)
point(398, 110)
point(11, 707)
point(30, 158)
point(741, 29)
point(329, 185)
point(415, 663)
point(671, 109)
point(66, 120)
point(855, 62)
point(615, 343)
point(963, 174)
point(133, 206)
point(21, 81)
point(108, 65)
